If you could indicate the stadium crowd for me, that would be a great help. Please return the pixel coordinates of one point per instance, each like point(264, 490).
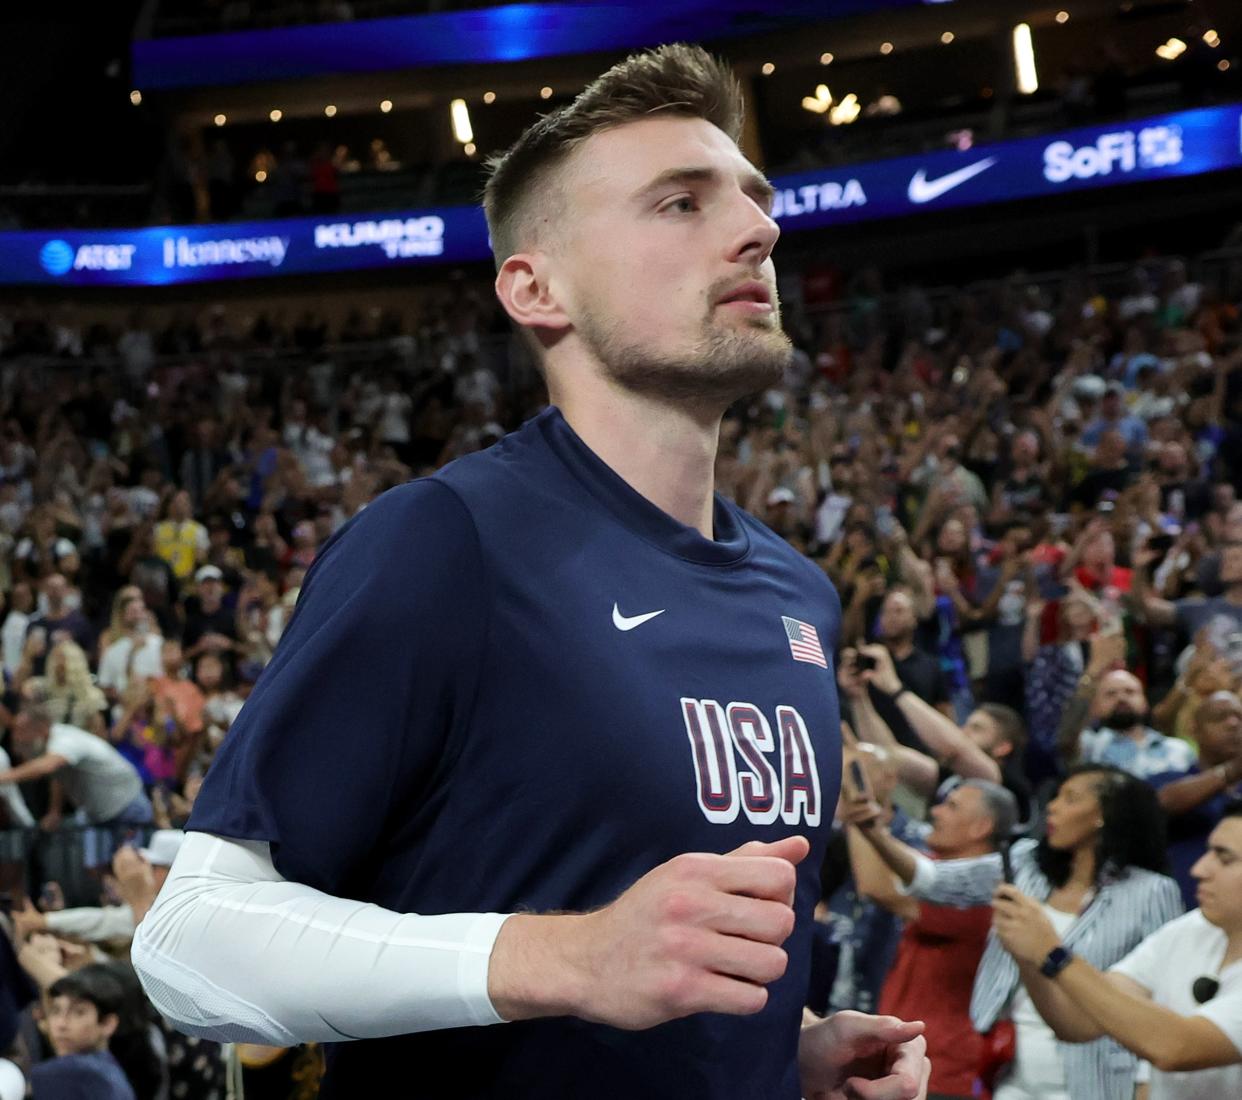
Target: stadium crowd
point(1024, 492)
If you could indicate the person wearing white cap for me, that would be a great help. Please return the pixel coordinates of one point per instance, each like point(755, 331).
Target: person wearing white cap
point(139, 872)
point(210, 625)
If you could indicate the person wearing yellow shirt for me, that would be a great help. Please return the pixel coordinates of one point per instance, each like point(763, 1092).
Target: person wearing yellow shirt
point(180, 539)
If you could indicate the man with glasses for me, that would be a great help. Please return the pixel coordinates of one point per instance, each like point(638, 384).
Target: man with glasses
point(1175, 1000)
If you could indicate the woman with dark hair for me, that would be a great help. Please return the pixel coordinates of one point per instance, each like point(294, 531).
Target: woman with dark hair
point(1099, 873)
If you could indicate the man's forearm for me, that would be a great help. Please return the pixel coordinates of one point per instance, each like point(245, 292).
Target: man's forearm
point(1185, 794)
point(33, 769)
point(900, 858)
point(946, 740)
point(874, 878)
point(1140, 1025)
point(281, 963)
point(1074, 719)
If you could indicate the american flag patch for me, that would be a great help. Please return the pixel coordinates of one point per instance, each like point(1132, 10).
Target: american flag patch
point(804, 642)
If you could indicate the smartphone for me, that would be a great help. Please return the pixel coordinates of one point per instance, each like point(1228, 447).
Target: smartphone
point(856, 778)
point(1006, 862)
point(1161, 543)
point(864, 662)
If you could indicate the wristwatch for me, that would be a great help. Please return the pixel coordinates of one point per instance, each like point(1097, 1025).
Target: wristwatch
point(1058, 959)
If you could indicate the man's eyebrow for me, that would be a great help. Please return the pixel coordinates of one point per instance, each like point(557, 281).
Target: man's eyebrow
point(1219, 850)
point(755, 185)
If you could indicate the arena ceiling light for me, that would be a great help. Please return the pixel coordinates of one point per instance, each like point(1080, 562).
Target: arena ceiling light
point(818, 103)
point(220, 120)
point(276, 115)
point(135, 97)
point(947, 37)
point(330, 110)
point(1024, 59)
point(1211, 38)
point(846, 111)
point(385, 105)
point(825, 59)
point(489, 97)
point(1171, 50)
point(460, 115)
point(1062, 17)
point(545, 92)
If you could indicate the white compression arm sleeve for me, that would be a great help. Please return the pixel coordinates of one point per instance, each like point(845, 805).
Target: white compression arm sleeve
point(233, 952)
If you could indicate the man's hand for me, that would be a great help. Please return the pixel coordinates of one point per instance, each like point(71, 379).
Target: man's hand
point(884, 675)
point(50, 821)
point(1022, 926)
point(27, 920)
point(852, 1056)
point(861, 810)
point(134, 877)
point(1108, 651)
point(41, 950)
point(700, 933)
point(849, 679)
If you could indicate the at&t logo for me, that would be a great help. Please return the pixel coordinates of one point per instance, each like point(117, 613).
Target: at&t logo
point(58, 257)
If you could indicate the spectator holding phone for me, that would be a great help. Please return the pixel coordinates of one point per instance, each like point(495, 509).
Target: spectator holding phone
point(988, 747)
point(941, 945)
point(1098, 875)
point(1174, 1000)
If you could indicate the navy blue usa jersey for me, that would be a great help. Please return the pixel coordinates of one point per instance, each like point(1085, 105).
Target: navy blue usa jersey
point(519, 685)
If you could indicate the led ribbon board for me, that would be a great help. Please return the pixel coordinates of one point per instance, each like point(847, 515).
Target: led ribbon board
point(480, 36)
point(1169, 146)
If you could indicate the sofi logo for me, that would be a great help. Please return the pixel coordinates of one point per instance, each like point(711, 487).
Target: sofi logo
point(59, 257)
point(1123, 151)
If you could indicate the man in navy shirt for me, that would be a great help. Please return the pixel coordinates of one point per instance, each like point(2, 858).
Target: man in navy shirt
point(559, 695)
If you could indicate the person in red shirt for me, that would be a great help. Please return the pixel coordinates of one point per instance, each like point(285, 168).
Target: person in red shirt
point(934, 971)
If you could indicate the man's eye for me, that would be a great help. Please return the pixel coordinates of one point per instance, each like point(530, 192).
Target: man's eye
point(684, 205)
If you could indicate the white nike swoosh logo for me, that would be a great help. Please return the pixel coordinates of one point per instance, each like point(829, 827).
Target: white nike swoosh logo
point(923, 190)
point(629, 622)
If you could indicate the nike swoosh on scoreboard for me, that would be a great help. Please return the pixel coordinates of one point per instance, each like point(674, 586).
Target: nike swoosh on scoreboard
point(923, 190)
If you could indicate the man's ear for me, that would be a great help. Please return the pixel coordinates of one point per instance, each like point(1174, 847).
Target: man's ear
point(524, 287)
point(110, 1023)
point(1001, 750)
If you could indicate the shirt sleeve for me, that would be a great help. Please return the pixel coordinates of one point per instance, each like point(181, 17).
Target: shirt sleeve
point(962, 883)
point(1225, 1011)
point(366, 696)
point(65, 744)
point(232, 952)
point(112, 922)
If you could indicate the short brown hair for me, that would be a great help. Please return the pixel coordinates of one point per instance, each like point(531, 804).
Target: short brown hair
point(676, 79)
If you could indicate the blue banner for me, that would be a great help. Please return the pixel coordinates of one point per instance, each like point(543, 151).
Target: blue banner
point(244, 250)
point(1168, 146)
point(1185, 143)
point(479, 36)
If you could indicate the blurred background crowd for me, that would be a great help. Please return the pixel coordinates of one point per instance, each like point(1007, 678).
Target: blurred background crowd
point(1013, 445)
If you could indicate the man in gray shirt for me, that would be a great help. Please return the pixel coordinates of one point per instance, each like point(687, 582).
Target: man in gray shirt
point(98, 779)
